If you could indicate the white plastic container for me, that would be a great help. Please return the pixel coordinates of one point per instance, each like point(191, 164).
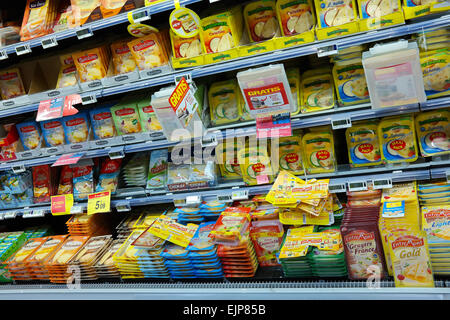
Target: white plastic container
point(266, 90)
point(393, 73)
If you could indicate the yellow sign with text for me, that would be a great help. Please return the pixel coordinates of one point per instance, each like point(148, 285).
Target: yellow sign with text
point(99, 202)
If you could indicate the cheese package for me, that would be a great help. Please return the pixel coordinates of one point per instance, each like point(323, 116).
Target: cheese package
point(435, 222)
point(38, 19)
point(65, 18)
point(19, 258)
point(109, 175)
point(255, 165)
point(76, 127)
point(436, 72)
point(126, 118)
point(293, 75)
point(332, 13)
point(227, 158)
point(224, 102)
point(267, 236)
point(67, 251)
point(82, 9)
point(149, 121)
point(261, 20)
point(53, 132)
point(11, 85)
point(378, 8)
point(229, 228)
point(149, 51)
point(185, 47)
point(398, 139)
point(65, 185)
point(222, 31)
point(157, 169)
point(91, 64)
point(433, 132)
point(410, 259)
point(350, 82)
point(289, 156)
point(102, 123)
point(318, 149)
point(68, 74)
point(42, 183)
point(363, 145)
point(295, 17)
point(83, 182)
point(29, 134)
point(317, 91)
point(122, 58)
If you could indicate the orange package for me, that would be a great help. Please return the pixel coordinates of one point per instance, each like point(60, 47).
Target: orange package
point(123, 60)
point(16, 265)
point(90, 64)
point(38, 19)
point(267, 236)
point(82, 10)
point(149, 51)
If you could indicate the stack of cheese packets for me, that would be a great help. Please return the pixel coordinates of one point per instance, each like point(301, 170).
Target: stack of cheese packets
point(135, 172)
point(202, 253)
point(87, 225)
point(405, 243)
point(17, 266)
point(57, 264)
point(89, 254)
point(36, 262)
point(211, 210)
point(126, 226)
point(302, 202)
point(105, 267)
point(229, 229)
point(434, 193)
point(267, 236)
point(189, 215)
point(10, 242)
point(177, 262)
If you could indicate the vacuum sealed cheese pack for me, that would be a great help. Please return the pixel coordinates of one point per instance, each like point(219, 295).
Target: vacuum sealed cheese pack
point(126, 118)
point(38, 19)
point(363, 145)
point(224, 102)
point(149, 51)
point(109, 175)
point(102, 122)
point(289, 155)
point(318, 148)
point(65, 185)
point(261, 20)
point(255, 165)
point(83, 182)
point(185, 47)
point(332, 13)
point(295, 17)
point(68, 74)
point(76, 127)
point(398, 139)
point(433, 132)
point(227, 159)
point(317, 91)
point(11, 85)
point(53, 132)
point(293, 75)
point(91, 64)
point(122, 58)
point(377, 8)
point(29, 134)
point(436, 72)
point(350, 82)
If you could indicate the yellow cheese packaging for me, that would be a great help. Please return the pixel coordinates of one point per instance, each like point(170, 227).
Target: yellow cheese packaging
point(261, 20)
point(222, 31)
point(91, 64)
point(224, 102)
point(433, 132)
point(417, 8)
point(295, 17)
point(293, 75)
point(350, 82)
point(317, 91)
point(398, 139)
point(363, 145)
point(335, 18)
point(289, 156)
point(376, 14)
point(227, 158)
point(185, 47)
point(122, 58)
point(149, 51)
point(11, 84)
point(255, 165)
point(436, 72)
point(68, 73)
point(318, 150)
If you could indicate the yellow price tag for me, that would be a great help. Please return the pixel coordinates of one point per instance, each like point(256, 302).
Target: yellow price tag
point(61, 205)
point(394, 204)
point(99, 202)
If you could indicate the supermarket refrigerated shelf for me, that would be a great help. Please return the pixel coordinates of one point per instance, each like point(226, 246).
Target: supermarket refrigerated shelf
point(97, 25)
point(226, 290)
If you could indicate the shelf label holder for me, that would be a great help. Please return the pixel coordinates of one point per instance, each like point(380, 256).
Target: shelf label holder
point(385, 183)
point(209, 140)
point(116, 153)
point(193, 200)
point(138, 16)
point(23, 49)
point(239, 195)
point(224, 198)
point(187, 76)
point(327, 51)
point(341, 123)
point(84, 32)
point(49, 42)
point(18, 168)
point(338, 187)
point(3, 55)
point(123, 206)
point(10, 214)
point(76, 209)
point(357, 185)
point(88, 99)
point(447, 176)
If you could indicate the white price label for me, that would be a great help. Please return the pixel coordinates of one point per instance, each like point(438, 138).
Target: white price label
point(341, 123)
point(76, 209)
point(23, 49)
point(382, 183)
point(239, 195)
point(193, 200)
point(18, 168)
point(3, 55)
point(357, 186)
point(116, 153)
point(209, 141)
point(33, 213)
point(10, 214)
point(49, 43)
point(335, 188)
point(84, 33)
point(187, 76)
point(327, 51)
point(88, 99)
point(224, 198)
point(123, 207)
point(142, 15)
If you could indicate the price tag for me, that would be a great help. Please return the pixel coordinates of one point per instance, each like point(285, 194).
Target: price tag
point(357, 186)
point(341, 123)
point(49, 43)
point(116, 153)
point(209, 141)
point(123, 207)
point(23, 49)
point(187, 76)
point(10, 214)
point(335, 188)
point(382, 183)
point(88, 99)
point(77, 210)
point(327, 51)
point(224, 198)
point(138, 16)
point(3, 55)
point(62, 204)
point(193, 200)
point(85, 32)
point(239, 195)
point(39, 213)
point(36, 213)
point(99, 202)
point(18, 168)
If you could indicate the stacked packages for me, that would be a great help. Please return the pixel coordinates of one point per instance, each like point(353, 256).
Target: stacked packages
point(105, 267)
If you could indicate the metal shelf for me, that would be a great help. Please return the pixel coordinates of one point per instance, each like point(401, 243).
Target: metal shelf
point(97, 25)
point(443, 102)
point(243, 290)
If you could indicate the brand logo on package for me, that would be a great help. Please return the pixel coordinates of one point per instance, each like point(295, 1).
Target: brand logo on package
point(102, 116)
point(28, 129)
point(90, 57)
point(124, 112)
point(52, 124)
point(437, 213)
point(148, 109)
point(144, 45)
point(8, 76)
point(411, 241)
point(122, 50)
point(359, 235)
point(75, 122)
point(69, 70)
point(37, 4)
